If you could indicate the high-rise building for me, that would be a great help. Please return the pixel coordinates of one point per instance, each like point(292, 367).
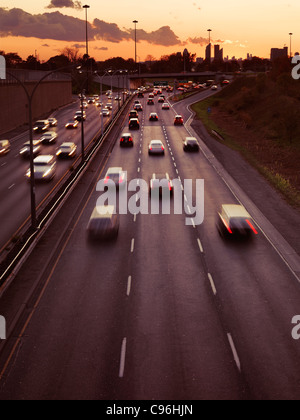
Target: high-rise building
point(279, 52)
point(218, 53)
point(208, 53)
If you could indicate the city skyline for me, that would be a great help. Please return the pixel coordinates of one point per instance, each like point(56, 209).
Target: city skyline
point(47, 28)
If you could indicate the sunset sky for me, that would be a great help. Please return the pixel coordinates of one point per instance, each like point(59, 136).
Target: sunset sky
point(164, 27)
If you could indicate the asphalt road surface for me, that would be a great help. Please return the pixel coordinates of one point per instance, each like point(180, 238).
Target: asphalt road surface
point(168, 311)
point(15, 188)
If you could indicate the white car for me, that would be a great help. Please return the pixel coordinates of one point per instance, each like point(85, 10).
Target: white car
point(44, 168)
point(105, 113)
point(67, 151)
point(104, 224)
point(156, 147)
point(235, 221)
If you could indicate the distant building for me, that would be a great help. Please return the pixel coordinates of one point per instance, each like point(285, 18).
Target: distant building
point(218, 53)
point(208, 53)
point(199, 60)
point(279, 52)
point(249, 57)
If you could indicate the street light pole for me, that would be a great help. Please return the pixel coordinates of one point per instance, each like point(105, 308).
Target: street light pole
point(135, 23)
point(86, 7)
point(291, 34)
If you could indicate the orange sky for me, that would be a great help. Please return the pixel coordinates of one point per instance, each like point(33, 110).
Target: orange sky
point(239, 27)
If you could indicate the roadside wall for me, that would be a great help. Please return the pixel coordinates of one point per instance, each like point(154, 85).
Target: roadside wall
point(49, 96)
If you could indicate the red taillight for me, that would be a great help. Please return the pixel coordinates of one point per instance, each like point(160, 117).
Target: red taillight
point(227, 226)
point(162, 148)
point(252, 227)
point(106, 180)
point(170, 186)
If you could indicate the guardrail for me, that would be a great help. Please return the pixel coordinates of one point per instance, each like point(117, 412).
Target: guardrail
point(25, 237)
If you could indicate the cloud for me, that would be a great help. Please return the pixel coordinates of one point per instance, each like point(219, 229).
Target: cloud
point(101, 48)
point(58, 4)
point(45, 45)
point(201, 41)
point(55, 25)
point(78, 46)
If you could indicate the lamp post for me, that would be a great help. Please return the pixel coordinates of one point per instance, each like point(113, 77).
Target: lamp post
point(135, 23)
point(86, 7)
point(290, 34)
point(30, 96)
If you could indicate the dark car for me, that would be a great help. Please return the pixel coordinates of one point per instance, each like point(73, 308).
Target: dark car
point(140, 95)
point(150, 102)
point(134, 124)
point(191, 145)
point(25, 151)
point(41, 126)
point(133, 114)
point(126, 140)
point(138, 107)
point(161, 183)
point(178, 120)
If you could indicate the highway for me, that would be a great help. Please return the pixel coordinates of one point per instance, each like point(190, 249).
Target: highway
point(168, 311)
point(14, 187)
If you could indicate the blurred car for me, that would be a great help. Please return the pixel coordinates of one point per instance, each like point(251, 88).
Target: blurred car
point(165, 107)
point(4, 147)
point(49, 137)
point(214, 87)
point(105, 112)
point(52, 122)
point(191, 144)
point(235, 221)
point(98, 104)
point(153, 116)
point(25, 151)
point(150, 102)
point(140, 95)
point(84, 105)
point(118, 98)
point(67, 151)
point(161, 99)
point(91, 101)
point(126, 140)
point(156, 147)
point(134, 124)
point(137, 102)
point(103, 224)
point(178, 120)
point(41, 126)
point(161, 183)
point(133, 114)
point(72, 124)
point(138, 108)
point(109, 106)
point(117, 175)
point(44, 168)
point(79, 115)
point(225, 82)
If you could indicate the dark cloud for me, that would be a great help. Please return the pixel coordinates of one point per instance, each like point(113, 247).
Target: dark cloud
point(59, 4)
point(79, 46)
point(101, 48)
point(55, 25)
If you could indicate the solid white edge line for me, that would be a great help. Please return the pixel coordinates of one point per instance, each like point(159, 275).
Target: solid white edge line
point(212, 283)
point(123, 358)
point(234, 351)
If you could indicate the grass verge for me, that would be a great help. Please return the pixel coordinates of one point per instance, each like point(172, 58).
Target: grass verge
point(290, 193)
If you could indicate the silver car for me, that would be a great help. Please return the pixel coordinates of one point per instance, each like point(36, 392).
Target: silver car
point(103, 224)
point(44, 168)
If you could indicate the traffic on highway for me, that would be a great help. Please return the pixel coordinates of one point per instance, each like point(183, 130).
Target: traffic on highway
point(156, 280)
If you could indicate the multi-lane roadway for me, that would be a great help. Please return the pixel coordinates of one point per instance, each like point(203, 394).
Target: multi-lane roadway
point(15, 188)
point(168, 311)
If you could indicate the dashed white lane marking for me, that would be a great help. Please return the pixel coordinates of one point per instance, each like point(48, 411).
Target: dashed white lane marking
point(139, 170)
point(134, 217)
point(123, 358)
point(132, 245)
point(234, 351)
point(3, 164)
point(200, 245)
point(212, 283)
point(11, 186)
point(129, 285)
